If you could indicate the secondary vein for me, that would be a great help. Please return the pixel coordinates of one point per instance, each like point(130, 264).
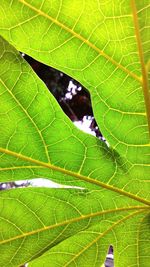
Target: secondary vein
point(76, 175)
point(101, 235)
point(77, 35)
point(73, 220)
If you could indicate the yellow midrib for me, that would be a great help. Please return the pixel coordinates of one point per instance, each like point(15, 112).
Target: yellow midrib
point(76, 175)
point(80, 37)
point(77, 219)
point(144, 67)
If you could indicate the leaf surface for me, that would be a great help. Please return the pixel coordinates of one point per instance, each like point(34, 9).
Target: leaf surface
point(108, 52)
point(87, 247)
point(33, 145)
point(109, 56)
point(35, 220)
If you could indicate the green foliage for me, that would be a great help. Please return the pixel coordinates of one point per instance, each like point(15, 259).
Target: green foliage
point(105, 46)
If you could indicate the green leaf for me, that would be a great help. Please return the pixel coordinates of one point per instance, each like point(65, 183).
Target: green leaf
point(105, 46)
point(33, 145)
point(144, 241)
point(109, 55)
point(87, 247)
point(35, 220)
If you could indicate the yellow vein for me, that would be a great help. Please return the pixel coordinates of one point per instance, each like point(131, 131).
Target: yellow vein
point(128, 112)
point(102, 235)
point(78, 36)
point(143, 66)
point(77, 219)
point(21, 167)
point(29, 117)
point(76, 175)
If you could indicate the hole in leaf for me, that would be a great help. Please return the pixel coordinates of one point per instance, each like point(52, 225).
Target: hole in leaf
point(73, 98)
point(109, 262)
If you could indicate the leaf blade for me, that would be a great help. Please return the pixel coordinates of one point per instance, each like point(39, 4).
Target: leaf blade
point(112, 73)
point(104, 80)
point(93, 244)
point(33, 219)
point(26, 143)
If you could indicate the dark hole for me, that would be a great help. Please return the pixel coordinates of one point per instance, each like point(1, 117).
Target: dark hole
point(73, 98)
point(109, 262)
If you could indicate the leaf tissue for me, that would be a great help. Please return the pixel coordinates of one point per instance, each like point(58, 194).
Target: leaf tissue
point(104, 199)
